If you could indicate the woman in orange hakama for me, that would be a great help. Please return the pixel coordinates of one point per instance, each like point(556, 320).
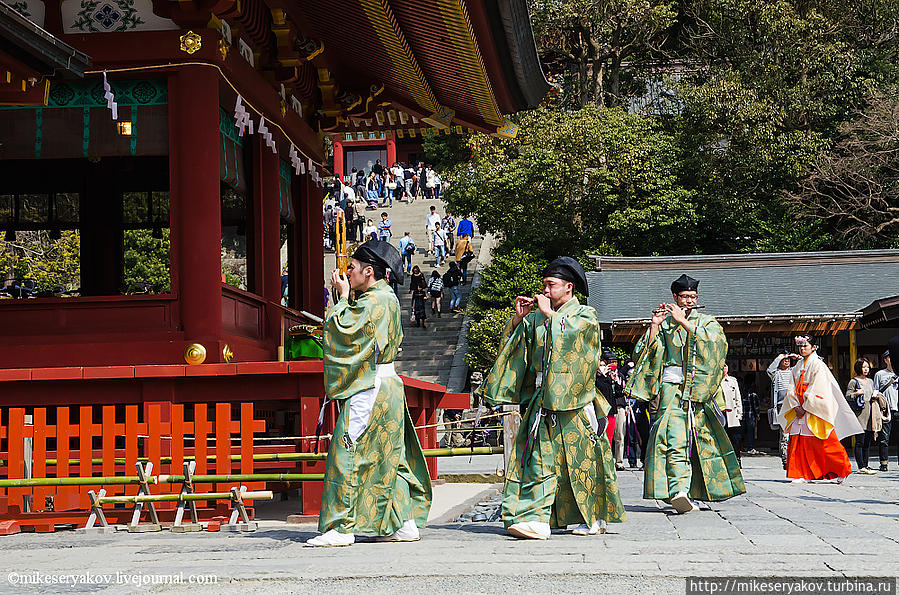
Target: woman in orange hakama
point(816, 417)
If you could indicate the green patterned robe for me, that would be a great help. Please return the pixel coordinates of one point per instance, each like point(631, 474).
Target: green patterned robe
point(381, 480)
point(711, 472)
point(570, 477)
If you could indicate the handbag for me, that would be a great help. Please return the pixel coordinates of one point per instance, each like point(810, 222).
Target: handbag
point(467, 255)
point(772, 418)
point(391, 185)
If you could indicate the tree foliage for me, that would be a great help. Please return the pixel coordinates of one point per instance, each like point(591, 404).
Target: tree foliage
point(484, 338)
point(597, 177)
point(856, 186)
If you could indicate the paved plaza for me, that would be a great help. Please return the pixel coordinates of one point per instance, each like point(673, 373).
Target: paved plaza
point(777, 529)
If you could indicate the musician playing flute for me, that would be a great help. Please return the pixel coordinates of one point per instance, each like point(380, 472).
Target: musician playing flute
point(561, 470)
point(376, 478)
point(679, 367)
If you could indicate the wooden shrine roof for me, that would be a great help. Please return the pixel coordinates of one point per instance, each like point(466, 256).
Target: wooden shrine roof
point(29, 57)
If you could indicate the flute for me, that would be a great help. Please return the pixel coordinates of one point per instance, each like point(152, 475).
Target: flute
point(660, 310)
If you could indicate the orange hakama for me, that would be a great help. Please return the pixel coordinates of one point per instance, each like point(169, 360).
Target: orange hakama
point(810, 457)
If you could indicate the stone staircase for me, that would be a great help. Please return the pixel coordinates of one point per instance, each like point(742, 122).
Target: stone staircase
point(427, 352)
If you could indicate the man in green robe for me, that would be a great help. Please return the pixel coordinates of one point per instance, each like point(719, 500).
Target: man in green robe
point(679, 367)
point(561, 470)
point(376, 478)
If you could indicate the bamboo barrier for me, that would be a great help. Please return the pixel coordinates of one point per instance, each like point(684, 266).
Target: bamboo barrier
point(258, 495)
point(71, 481)
point(300, 456)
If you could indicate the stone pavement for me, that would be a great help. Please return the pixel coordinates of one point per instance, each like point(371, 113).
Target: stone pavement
point(777, 529)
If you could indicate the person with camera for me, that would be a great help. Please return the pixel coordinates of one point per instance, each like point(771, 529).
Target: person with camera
point(781, 378)
point(887, 383)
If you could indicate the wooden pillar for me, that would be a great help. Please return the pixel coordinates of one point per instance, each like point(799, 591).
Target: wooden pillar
point(835, 355)
point(312, 250)
point(338, 157)
point(853, 351)
point(391, 151)
point(196, 202)
point(267, 234)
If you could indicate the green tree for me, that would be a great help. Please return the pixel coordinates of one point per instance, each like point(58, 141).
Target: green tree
point(52, 264)
point(586, 43)
point(595, 177)
point(484, 338)
point(147, 261)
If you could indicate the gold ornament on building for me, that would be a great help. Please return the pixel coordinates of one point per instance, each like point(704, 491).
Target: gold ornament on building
point(227, 354)
point(223, 49)
point(283, 109)
point(195, 354)
point(191, 42)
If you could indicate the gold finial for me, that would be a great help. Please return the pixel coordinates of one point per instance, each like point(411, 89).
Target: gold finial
point(195, 354)
point(191, 42)
point(227, 354)
point(223, 49)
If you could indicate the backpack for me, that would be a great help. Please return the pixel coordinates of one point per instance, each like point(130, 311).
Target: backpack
point(410, 248)
point(435, 284)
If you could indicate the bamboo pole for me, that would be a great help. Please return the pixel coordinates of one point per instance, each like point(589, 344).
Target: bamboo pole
point(260, 495)
point(305, 456)
point(240, 478)
point(70, 481)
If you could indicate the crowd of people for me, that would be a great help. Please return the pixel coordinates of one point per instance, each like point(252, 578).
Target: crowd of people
point(448, 241)
point(873, 399)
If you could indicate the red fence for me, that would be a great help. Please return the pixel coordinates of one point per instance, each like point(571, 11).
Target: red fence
point(79, 424)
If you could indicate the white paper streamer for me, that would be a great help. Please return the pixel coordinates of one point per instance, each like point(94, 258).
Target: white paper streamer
point(242, 118)
point(110, 98)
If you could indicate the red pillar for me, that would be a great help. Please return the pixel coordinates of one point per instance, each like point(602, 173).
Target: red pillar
point(267, 236)
point(391, 150)
point(196, 203)
point(338, 157)
point(312, 264)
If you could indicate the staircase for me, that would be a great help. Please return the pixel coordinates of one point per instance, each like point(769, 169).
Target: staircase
point(427, 352)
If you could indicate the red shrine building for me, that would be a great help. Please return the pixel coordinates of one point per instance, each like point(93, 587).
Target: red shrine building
point(160, 172)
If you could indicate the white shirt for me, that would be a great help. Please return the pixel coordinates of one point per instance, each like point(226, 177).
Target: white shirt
point(433, 220)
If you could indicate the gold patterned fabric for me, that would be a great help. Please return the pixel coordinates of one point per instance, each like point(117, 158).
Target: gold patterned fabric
point(381, 480)
point(568, 475)
point(693, 456)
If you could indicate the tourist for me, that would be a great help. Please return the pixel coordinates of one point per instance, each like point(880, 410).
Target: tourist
point(607, 388)
point(439, 245)
point(464, 254)
point(870, 407)
point(449, 226)
point(816, 417)
point(781, 379)
point(886, 383)
point(435, 290)
point(373, 191)
point(613, 390)
point(370, 232)
point(408, 181)
point(359, 219)
point(330, 227)
point(680, 360)
point(407, 250)
point(431, 222)
point(418, 289)
point(560, 468)
point(375, 450)
point(452, 279)
point(465, 226)
point(731, 405)
point(751, 415)
point(384, 226)
point(349, 217)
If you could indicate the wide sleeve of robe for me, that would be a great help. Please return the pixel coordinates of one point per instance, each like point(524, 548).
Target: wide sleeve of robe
point(506, 378)
point(355, 337)
point(643, 383)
